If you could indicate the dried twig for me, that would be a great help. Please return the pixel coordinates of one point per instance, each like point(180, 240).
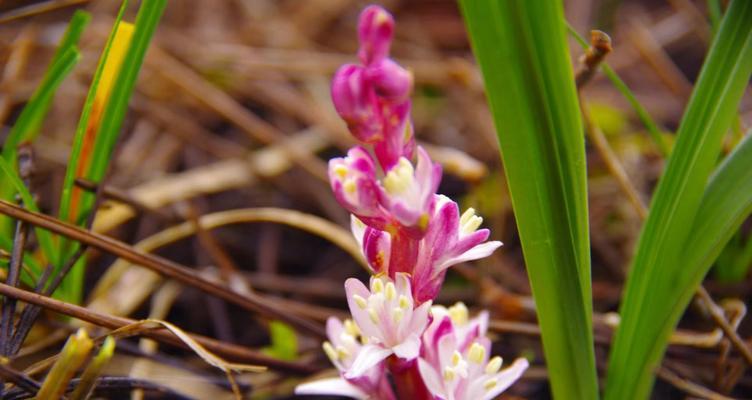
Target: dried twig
point(688, 387)
point(112, 322)
point(251, 302)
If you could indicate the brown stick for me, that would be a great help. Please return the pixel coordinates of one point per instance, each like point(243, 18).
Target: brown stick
point(720, 319)
point(163, 266)
point(232, 351)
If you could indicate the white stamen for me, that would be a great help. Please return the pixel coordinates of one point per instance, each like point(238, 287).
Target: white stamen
point(489, 384)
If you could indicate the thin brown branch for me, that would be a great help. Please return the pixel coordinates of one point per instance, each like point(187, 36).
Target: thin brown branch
point(228, 350)
point(122, 197)
point(720, 319)
point(600, 46)
point(689, 387)
point(167, 268)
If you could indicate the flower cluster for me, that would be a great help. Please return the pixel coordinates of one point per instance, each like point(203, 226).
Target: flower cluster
point(410, 236)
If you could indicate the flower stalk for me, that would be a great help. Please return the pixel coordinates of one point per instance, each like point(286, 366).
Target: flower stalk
point(397, 344)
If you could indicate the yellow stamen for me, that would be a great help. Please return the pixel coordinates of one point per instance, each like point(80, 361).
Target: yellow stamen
point(360, 301)
point(391, 291)
point(476, 353)
point(494, 365)
point(330, 352)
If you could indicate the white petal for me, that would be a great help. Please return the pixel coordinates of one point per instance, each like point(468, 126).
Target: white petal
point(369, 356)
point(409, 349)
point(431, 378)
point(480, 251)
point(507, 377)
point(333, 386)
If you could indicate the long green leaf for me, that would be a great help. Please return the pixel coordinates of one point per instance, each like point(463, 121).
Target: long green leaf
point(659, 262)
point(44, 237)
point(108, 129)
point(521, 47)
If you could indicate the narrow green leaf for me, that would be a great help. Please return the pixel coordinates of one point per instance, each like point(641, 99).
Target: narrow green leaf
point(83, 123)
point(727, 202)
point(44, 237)
point(108, 128)
point(521, 48)
point(660, 262)
point(29, 121)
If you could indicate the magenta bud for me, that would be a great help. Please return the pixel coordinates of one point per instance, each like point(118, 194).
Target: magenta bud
point(356, 102)
point(390, 80)
point(375, 31)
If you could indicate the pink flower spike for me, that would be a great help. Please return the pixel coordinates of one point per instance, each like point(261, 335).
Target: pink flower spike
point(375, 32)
point(356, 102)
point(387, 321)
point(410, 192)
point(454, 369)
point(353, 181)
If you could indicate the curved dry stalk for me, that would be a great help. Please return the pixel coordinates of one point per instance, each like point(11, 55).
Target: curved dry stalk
point(249, 301)
point(228, 368)
point(163, 336)
point(147, 279)
point(213, 178)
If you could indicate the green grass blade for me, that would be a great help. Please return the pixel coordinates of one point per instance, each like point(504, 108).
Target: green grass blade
point(642, 113)
point(108, 127)
point(727, 202)
point(521, 48)
point(44, 237)
point(81, 130)
point(659, 261)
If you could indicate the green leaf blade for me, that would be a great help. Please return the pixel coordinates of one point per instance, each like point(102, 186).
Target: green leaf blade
point(647, 304)
point(521, 48)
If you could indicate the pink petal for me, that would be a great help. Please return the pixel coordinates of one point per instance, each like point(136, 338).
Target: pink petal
point(332, 386)
point(377, 247)
point(369, 356)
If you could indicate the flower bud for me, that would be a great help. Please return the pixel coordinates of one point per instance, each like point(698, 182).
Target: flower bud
point(375, 32)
